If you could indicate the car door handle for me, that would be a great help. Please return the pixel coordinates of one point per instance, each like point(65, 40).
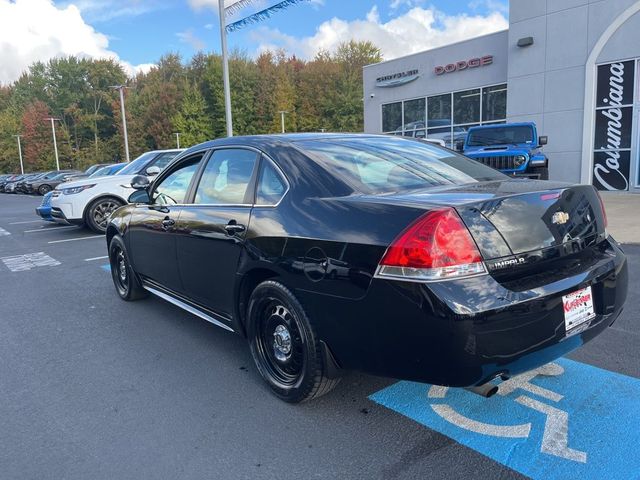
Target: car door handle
point(167, 223)
point(233, 228)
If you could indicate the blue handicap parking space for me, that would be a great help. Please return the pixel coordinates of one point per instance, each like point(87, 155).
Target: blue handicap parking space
point(565, 420)
point(106, 268)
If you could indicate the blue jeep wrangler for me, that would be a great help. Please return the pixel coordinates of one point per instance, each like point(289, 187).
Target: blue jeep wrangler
point(512, 148)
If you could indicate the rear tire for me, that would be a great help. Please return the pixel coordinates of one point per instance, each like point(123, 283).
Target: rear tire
point(284, 345)
point(44, 189)
point(98, 212)
point(125, 280)
point(542, 172)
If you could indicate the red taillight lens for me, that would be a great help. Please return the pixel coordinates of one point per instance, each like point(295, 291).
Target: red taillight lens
point(604, 213)
point(436, 246)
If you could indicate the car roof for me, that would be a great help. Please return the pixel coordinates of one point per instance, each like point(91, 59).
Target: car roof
point(279, 139)
point(499, 125)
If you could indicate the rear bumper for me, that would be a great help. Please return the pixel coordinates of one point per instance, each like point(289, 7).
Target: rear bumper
point(465, 332)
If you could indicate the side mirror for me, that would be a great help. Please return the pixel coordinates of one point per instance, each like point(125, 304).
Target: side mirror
point(460, 146)
point(140, 182)
point(153, 171)
point(139, 196)
point(543, 140)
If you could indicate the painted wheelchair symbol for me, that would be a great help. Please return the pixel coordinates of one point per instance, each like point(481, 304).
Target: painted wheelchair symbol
point(556, 428)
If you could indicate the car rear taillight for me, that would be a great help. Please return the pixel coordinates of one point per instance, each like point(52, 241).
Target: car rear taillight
point(437, 246)
point(604, 213)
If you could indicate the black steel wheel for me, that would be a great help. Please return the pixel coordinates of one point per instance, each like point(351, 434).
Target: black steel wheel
point(98, 213)
point(124, 278)
point(284, 345)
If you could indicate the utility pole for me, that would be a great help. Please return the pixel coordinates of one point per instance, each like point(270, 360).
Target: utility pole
point(177, 134)
point(225, 69)
point(20, 153)
point(282, 114)
point(55, 142)
point(121, 88)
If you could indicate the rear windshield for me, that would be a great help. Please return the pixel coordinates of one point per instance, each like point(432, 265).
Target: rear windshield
point(485, 137)
point(388, 164)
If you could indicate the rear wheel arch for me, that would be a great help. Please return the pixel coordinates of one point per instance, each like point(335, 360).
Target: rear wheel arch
point(250, 280)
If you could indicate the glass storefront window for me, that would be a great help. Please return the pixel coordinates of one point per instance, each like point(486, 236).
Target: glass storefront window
point(414, 112)
point(439, 110)
point(441, 134)
point(494, 103)
point(466, 106)
point(392, 117)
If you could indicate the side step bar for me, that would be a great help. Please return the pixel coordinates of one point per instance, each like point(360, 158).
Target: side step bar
point(187, 307)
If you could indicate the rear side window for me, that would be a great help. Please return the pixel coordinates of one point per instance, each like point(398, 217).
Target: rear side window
point(271, 186)
point(388, 164)
point(226, 177)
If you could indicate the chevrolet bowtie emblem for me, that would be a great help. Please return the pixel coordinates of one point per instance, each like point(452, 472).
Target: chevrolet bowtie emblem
point(560, 218)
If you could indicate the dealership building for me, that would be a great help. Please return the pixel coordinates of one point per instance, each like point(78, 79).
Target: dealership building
point(570, 66)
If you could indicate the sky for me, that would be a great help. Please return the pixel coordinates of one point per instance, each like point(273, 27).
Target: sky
point(138, 32)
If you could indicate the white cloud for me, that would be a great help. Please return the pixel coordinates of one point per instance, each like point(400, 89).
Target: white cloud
point(416, 30)
point(191, 39)
point(104, 10)
point(37, 30)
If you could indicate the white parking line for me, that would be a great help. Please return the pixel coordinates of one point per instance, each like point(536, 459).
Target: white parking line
point(76, 239)
point(48, 229)
point(3, 232)
point(96, 258)
point(24, 223)
point(21, 263)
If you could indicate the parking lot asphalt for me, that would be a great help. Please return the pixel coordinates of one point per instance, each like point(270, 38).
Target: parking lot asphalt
point(94, 387)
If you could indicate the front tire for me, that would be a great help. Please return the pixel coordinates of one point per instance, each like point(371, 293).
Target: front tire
point(124, 278)
point(284, 345)
point(99, 211)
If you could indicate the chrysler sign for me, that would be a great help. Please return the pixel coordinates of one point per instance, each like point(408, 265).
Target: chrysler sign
point(397, 79)
point(614, 119)
point(464, 65)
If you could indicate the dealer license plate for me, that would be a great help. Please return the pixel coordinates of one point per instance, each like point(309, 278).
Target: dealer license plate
point(578, 310)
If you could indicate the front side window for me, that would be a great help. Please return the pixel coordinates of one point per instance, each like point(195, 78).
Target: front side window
point(271, 186)
point(172, 190)
point(226, 177)
point(162, 160)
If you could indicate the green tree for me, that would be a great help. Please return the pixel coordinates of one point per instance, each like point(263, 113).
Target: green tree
point(192, 121)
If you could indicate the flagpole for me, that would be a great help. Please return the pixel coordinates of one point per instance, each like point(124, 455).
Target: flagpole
point(225, 70)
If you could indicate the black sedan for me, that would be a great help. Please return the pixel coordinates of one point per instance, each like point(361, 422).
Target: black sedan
point(380, 254)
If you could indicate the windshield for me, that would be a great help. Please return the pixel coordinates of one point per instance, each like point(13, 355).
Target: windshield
point(507, 135)
point(376, 165)
point(91, 169)
point(104, 171)
point(137, 165)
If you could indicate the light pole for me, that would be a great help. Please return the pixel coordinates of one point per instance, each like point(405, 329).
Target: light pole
point(177, 134)
point(225, 69)
point(282, 114)
point(121, 88)
point(55, 142)
point(20, 153)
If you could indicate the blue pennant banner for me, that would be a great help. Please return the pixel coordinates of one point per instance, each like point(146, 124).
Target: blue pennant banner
point(261, 15)
point(237, 6)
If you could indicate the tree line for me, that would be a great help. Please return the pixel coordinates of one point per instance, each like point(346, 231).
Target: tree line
point(324, 93)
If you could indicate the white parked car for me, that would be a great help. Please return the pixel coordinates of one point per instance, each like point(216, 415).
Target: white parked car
point(91, 201)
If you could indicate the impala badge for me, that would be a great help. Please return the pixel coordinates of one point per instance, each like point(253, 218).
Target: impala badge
point(560, 218)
